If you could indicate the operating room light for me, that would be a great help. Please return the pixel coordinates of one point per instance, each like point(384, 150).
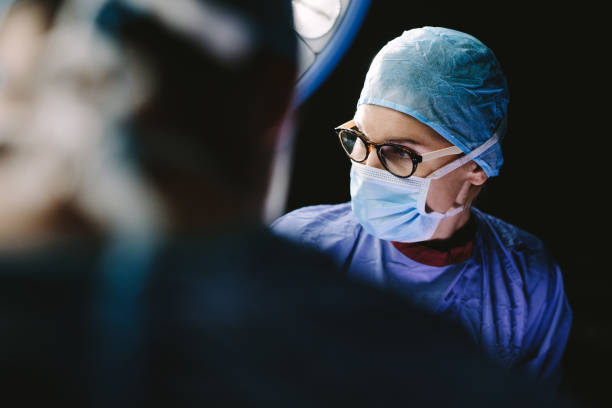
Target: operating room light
point(314, 18)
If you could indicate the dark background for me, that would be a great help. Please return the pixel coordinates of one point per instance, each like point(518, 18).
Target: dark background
point(553, 180)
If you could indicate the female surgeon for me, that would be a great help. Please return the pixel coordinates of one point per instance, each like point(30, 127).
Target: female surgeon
point(424, 139)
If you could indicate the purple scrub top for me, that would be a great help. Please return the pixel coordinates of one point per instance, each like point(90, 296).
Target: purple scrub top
point(509, 295)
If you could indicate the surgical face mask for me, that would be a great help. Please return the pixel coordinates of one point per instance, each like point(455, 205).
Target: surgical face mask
point(393, 208)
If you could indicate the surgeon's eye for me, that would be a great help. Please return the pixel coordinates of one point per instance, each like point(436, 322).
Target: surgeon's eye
point(392, 152)
point(397, 160)
point(403, 154)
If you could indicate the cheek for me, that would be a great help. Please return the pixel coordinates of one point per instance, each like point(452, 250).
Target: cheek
point(443, 193)
point(424, 169)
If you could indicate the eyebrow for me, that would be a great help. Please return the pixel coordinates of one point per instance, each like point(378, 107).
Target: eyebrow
point(396, 141)
point(408, 140)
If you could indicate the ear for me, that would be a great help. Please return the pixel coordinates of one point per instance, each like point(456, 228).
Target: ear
point(477, 175)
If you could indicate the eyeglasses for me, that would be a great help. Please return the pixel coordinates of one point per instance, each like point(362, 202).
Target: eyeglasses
point(399, 160)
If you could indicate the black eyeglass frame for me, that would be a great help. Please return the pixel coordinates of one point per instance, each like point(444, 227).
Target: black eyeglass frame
point(414, 156)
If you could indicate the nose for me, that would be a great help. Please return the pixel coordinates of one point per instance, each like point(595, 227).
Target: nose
point(373, 160)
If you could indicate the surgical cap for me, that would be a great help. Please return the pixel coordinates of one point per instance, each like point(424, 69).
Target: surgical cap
point(448, 80)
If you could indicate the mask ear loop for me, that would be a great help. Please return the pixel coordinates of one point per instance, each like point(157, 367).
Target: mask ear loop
point(444, 170)
point(441, 172)
point(471, 196)
point(459, 208)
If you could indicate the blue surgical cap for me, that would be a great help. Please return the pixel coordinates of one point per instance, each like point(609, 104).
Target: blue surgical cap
point(449, 81)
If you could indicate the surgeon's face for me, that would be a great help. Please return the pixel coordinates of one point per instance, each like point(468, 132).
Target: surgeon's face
point(381, 125)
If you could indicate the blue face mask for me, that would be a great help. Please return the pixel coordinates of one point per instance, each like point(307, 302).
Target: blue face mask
point(393, 208)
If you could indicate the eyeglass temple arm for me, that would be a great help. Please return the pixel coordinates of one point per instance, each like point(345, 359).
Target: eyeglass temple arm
point(347, 125)
point(440, 153)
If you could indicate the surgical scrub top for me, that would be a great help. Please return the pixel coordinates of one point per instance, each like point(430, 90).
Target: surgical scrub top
point(508, 295)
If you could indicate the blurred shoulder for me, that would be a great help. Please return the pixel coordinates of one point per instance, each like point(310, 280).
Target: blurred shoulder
point(328, 212)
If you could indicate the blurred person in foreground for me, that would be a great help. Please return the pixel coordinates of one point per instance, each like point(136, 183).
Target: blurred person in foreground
point(425, 138)
point(161, 133)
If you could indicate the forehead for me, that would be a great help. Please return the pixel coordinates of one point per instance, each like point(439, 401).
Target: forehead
point(382, 124)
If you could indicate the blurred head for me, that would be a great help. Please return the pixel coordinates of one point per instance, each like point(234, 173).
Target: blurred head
point(146, 112)
point(222, 75)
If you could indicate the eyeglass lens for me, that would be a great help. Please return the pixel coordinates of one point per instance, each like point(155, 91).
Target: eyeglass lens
point(396, 160)
point(353, 145)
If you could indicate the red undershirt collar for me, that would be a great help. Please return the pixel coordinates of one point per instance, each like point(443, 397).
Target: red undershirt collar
point(453, 250)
